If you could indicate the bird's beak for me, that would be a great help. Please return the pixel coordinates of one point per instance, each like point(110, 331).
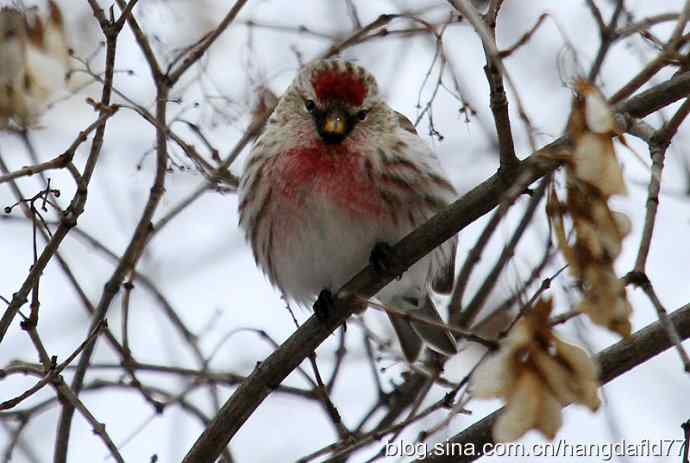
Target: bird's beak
point(335, 125)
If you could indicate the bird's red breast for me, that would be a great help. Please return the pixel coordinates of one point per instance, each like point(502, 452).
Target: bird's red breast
point(332, 173)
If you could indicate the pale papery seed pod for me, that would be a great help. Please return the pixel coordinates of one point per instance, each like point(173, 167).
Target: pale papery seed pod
point(56, 40)
point(592, 127)
point(532, 407)
point(593, 175)
point(537, 374)
point(48, 55)
point(598, 115)
point(13, 38)
point(595, 163)
point(36, 53)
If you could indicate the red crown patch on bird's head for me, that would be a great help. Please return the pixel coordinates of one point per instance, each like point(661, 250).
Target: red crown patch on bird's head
point(341, 85)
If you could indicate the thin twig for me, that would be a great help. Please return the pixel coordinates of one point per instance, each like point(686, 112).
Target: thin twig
point(52, 373)
point(659, 143)
point(470, 312)
point(642, 281)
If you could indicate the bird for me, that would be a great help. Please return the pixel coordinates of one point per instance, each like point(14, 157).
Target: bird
point(335, 178)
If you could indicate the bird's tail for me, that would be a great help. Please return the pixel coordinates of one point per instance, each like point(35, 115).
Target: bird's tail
point(413, 334)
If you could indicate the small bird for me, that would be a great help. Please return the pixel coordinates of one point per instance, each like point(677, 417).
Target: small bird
point(334, 179)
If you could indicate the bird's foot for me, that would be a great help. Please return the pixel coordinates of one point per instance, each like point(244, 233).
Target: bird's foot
point(385, 261)
point(324, 305)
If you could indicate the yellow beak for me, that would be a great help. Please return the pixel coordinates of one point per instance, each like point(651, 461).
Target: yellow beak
point(335, 123)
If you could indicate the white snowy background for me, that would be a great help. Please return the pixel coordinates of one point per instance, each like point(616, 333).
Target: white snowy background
point(203, 266)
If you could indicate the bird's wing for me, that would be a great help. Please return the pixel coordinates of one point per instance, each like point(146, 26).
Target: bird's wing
point(444, 276)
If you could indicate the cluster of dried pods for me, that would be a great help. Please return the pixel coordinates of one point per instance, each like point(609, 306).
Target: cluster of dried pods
point(534, 371)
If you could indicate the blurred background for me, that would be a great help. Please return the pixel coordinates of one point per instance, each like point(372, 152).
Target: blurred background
point(202, 267)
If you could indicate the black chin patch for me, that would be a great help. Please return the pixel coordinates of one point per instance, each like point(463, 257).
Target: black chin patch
point(332, 138)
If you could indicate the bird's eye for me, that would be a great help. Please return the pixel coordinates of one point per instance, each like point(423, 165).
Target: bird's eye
point(310, 105)
point(362, 115)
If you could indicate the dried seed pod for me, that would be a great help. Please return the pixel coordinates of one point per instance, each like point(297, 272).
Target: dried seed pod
point(537, 374)
point(593, 175)
point(35, 61)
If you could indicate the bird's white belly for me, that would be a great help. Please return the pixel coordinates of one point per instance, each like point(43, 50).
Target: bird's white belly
point(323, 247)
